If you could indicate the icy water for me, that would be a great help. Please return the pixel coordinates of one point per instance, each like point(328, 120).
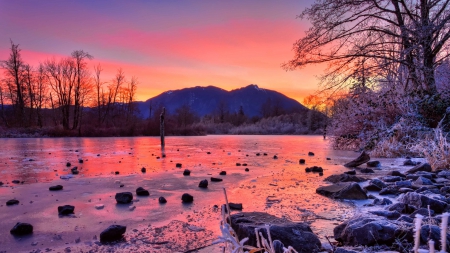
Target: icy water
point(277, 186)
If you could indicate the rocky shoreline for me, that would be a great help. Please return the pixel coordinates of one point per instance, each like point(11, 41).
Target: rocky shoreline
point(89, 214)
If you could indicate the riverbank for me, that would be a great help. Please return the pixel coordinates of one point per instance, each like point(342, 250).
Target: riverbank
point(275, 185)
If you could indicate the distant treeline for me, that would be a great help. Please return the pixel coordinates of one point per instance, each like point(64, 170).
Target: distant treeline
point(68, 97)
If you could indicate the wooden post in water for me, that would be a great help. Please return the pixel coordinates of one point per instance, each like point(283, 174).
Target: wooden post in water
point(161, 126)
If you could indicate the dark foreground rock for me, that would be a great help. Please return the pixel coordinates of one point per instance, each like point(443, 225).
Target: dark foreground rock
point(142, 192)
point(186, 172)
point(124, 197)
point(203, 184)
point(12, 202)
point(55, 188)
point(215, 179)
point(369, 231)
point(343, 191)
point(162, 200)
point(112, 233)
point(187, 198)
point(66, 210)
point(235, 206)
point(22, 229)
point(363, 158)
point(297, 235)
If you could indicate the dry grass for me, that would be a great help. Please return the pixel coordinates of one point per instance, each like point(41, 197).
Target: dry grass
point(436, 149)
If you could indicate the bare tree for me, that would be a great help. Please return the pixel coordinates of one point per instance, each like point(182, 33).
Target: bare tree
point(82, 77)
point(371, 38)
point(99, 89)
point(14, 67)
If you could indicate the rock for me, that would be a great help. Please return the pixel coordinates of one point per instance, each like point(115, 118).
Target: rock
point(99, 206)
point(409, 162)
point(373, 164)
point(328, 159)
point(55, 188)
point(444, 174)
point(310, 153)
point(235, 206)
point(1, 183)
point(421, 201)
point(421, 167)
point(246, 169)
point(297, 235)
point(403, 184)
point(75, 171)
point(382, 202)
point(214, 179)
point(422, 211)
point(131, 208)
point(187, 198)
point(22, 229)
point(162, 200)
point(343, 191)
point(68, 164)
point(308, 169)
point(388, 215)
point(80, 160)
point(12, 202)
point(344, 178)
point(405, 218)
point(186, 172)
point(405, 190)
point(341, 250)
point(178, 165)
point(402, 208)
point(124, 197)
point(351, 172)
point(375, 185)
point(208, 153)
point(258, 154)
point(275, 157)
point(363, 158)
point(244, 164)
point(423, 181)
point(301, 161)
point(117, 172)
point(389, 190)
point(66, 210)
point(15, 182)
point(432, 232)
point(203, 184)
point(367, 170)
point(143, 170)
point(445, 189)
point(392, 179)
point(278, 246)
point(397, 173)
point(112, 233)
point(223, 173)
point(320, 173)
point(238, 164)
point(142, 192)
point(369, 231)
point(314, 169)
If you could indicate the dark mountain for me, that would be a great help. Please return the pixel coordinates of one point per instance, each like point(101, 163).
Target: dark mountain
point(207, 100)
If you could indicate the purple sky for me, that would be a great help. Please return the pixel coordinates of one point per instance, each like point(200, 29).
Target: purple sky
point(167, 44)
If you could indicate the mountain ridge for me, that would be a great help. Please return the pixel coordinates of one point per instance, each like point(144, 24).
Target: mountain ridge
point(206, 100)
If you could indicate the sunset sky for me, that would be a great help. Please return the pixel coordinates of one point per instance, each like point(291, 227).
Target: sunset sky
point(168, 44)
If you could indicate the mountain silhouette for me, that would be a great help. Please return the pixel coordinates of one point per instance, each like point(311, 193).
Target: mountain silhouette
point(207, 100)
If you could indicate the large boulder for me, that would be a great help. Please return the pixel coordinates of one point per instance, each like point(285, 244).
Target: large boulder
point(112, 233)
point(369, 231)
point(343, 191)
point(363, 158)
point(142, 192)
point(422, 201)
point(124, 197)
point(421, 167)
point(22, 229)
point(297, 235)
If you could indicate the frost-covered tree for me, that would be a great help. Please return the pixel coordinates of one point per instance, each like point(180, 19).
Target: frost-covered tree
point(370, 38)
